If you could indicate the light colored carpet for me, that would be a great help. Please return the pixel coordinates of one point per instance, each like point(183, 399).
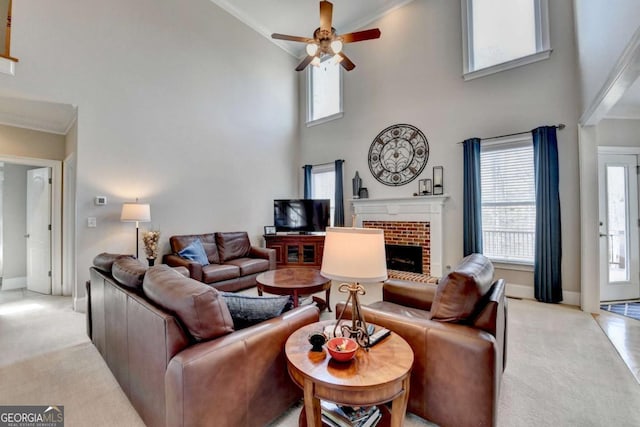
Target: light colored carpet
point(561, 370)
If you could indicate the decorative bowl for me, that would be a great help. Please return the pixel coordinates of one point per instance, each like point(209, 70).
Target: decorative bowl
point(342, 349)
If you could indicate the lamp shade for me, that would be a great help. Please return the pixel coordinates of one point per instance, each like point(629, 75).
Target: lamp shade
point(135, 212)
point(354, 255)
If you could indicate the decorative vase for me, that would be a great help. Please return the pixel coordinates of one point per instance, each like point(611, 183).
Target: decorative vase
point(357, 184)
point(151, 261)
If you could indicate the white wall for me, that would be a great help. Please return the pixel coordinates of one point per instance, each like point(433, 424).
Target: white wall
point(618, 133)
point(413, 74)
point(181, 106)
point(603, 30)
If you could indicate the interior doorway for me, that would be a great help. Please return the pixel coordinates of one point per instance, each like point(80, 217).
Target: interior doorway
point(41, 256)
point(619, 222)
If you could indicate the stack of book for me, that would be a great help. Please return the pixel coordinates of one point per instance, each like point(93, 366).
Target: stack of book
point(346, 416)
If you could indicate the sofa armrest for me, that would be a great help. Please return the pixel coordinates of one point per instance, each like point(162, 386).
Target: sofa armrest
point(409, 294)
point(237, 379)
point(265, 253)
point(195, 269)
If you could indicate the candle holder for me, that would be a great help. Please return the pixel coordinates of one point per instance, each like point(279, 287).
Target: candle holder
point(438, 180)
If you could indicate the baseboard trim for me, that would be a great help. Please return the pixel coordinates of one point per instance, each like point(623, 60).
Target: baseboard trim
point(515, 290)
point(14, 283)
point(80, 304)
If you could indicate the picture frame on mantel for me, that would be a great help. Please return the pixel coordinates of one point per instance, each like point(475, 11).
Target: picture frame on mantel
point(438, 180)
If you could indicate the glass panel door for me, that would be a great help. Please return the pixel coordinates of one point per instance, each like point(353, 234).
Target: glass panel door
point(619, 247)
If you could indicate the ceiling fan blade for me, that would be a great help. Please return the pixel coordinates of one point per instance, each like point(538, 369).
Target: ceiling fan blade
point(291, 38)
point(359, 36)
point(346, 62)
point(306, 61)
point(326, 13)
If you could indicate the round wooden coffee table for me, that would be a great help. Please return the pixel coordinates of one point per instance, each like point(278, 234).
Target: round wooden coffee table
point(295, 282)
point(373, 377)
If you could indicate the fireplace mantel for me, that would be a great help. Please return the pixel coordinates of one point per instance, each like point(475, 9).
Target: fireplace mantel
point(417, 208)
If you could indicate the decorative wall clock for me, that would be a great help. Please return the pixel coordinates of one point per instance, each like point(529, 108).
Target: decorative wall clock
point(398, 154)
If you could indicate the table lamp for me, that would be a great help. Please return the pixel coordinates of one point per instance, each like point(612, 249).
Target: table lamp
point(136, 212)
point(353, 256)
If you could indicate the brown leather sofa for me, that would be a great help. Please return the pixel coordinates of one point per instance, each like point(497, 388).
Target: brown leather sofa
point(458, 332)
point(233, 262)
point(170, 343)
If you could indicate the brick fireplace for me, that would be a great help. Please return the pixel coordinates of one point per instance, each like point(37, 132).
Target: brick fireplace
point(406, 233)
point(408, 220)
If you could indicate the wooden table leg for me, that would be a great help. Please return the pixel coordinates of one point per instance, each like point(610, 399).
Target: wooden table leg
point(328, 295)
point(259, 290)
point(399, 404)
point(311, 406)
point(295, 298)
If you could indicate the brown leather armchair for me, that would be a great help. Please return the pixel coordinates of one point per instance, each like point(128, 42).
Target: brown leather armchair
point(457, 330)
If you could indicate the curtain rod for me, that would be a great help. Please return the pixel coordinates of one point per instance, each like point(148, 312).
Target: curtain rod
point(324, 164)
point(559, 126)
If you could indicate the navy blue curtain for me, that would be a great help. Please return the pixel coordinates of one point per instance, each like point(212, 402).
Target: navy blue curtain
point(472, 206)
point(338, 215)
point(307, 181)
point(547, 278)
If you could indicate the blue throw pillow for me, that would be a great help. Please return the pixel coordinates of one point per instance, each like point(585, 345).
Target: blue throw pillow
point(195, 252)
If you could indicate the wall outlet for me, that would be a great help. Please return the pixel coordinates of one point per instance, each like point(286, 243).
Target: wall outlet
point(91, 222)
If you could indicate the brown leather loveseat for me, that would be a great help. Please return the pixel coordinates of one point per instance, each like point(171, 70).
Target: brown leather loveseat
point(171, 344)
point(457, 330)
point(233, 263)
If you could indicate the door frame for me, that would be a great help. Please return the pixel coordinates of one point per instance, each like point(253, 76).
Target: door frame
point(616, 150)
point(56, 213)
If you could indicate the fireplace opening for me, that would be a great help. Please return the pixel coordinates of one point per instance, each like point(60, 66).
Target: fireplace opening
point(404, 258)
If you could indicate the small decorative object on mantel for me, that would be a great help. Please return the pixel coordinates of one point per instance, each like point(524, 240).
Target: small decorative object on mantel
point(357, 184)
point(364, 193)
point(438, 180)
point(424, 187)
point(150, 240)
point(398, 154)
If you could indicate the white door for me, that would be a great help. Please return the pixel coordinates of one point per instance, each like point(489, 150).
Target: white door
point(618, 198)
point(39, 230)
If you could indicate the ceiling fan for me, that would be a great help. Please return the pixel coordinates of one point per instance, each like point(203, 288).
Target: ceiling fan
point(325, 41)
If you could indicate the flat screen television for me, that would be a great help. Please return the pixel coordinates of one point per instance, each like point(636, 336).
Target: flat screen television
point(301, 215)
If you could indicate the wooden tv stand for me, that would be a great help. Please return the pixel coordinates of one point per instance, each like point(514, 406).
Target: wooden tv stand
point(297, 250)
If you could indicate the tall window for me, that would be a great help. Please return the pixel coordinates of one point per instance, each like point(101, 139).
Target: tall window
point(502, 34)
point(508, 200)
point(323, 184)
point(324, 92)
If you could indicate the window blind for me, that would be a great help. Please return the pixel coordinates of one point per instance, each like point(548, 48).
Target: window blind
point(508, 201)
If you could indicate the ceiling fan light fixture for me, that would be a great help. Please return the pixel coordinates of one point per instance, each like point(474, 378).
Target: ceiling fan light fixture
point(315, 62)
point(312, 49)
point(336, 59)
point(336, 46)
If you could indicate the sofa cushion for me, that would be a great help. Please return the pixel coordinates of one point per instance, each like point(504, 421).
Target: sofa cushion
point(195, 252)
point(218, 272)
point(208, 242)
point(249, 310)
point(200, 307)
point(233, 245)
point(129, 272)
point(249, 266)
point(104, 261)
point(460, 291)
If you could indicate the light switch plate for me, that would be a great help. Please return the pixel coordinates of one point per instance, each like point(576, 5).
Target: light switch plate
point(101, 200)
point(91, 222)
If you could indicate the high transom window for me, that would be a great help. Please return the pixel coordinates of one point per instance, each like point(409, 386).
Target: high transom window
point(503, 34)
point(324, 92)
